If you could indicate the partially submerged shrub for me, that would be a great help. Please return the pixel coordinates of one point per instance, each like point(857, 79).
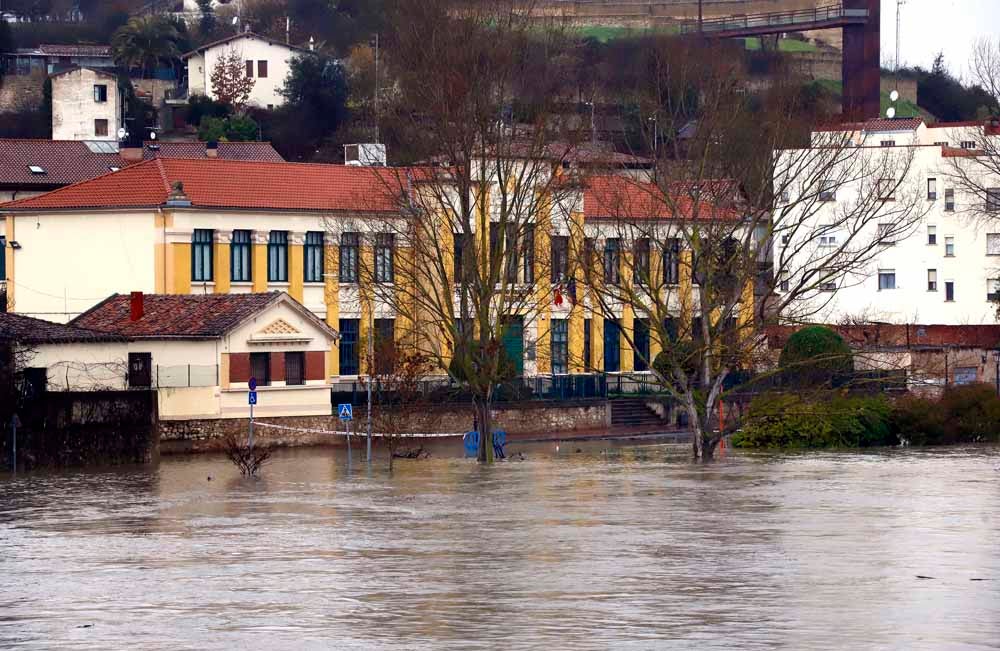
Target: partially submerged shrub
point(789, 421)
point(815, 355)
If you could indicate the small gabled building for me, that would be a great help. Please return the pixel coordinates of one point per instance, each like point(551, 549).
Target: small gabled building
point(200, 352)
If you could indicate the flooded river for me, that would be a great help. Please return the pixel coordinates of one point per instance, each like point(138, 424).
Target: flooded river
point(624, 548)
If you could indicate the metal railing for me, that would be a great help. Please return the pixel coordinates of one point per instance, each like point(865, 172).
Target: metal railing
point(775, 20)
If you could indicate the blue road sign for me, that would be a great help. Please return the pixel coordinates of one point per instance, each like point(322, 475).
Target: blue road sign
point(345, 412)
point(253, 384)
point(252, 398)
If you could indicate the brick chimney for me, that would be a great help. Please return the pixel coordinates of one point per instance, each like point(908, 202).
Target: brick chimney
point(131, 154)
point(212, 149)
point(135, 306)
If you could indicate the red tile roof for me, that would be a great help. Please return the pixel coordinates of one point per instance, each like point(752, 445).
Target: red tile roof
point(72, 161)
point(262, 151)
point(877, 124)
point(216, 183)
point(619, 197)
point(64, 162)
point(27, 330)
point(75, 50)
point(174, 316)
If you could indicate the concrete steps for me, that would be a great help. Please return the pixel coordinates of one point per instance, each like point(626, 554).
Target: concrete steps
point(633, 412)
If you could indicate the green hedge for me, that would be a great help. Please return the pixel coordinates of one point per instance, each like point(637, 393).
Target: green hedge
point(788, 421)
point(815, 355)
point(966, 414)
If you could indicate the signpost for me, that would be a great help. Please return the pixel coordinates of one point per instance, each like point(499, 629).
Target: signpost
point(252, 400)
point(346, 413)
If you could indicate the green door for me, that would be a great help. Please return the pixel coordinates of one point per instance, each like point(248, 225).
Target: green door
point(513, 342)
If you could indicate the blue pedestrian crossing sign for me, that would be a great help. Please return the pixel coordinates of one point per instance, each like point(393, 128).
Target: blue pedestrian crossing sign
point(345, 412)
point(252, 398)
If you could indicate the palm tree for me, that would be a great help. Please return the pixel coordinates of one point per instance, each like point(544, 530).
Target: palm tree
point(144, 42)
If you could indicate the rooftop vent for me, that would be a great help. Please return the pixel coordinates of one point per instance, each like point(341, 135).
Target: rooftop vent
point(365, 155)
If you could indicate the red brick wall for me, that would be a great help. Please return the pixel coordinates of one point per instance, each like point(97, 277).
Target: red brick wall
point(316, 365)
point(239, 367)
point(277, 367)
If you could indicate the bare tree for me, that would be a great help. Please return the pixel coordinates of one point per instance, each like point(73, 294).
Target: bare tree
point(474, 92)
point(230, 82)
point(742, 223)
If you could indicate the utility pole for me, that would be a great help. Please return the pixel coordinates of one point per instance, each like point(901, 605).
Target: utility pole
point(899, 16)
point(376, 88)
point(371, 377)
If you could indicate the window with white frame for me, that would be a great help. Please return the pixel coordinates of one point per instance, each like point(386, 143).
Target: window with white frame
point(827, 283)
point(886, 235)
point(931, 189)
point(993, 199)
point(828, 241)
point(949, 246)
point(887, 189)
point(932, 235)
point(993, 244)
point(932, 280)
point(886, 279)
point(949, 200)
point(888, 143)
point(993, 289)
point(827, 190)
point(968, 144)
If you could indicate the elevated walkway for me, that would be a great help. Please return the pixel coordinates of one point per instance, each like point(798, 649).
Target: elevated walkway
point(827, 17)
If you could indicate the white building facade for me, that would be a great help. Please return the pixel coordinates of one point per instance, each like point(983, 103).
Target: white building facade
point(941, 265)
point(86, 105)
point(266, 60)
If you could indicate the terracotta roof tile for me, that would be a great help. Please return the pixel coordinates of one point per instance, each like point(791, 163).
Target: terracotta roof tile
point(618, 197)
point(64, 162)
point(75, 50)
point(174, 316)
point(216, 183)
point(261, 151)
point(28, 330)
point(877, 124)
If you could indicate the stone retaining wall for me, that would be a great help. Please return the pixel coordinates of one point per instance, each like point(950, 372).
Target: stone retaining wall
point(523, 418)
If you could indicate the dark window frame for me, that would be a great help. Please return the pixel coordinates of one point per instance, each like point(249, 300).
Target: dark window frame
point(385, 254)
point(262, 69)
point(249, 68)
point(640, 345)
point(263, 379)
point(349, 347)
point(202, 255)
point(98, 124)
point(314, 257)
point(295, 362)
point(641, 262)
point(559, 252)
point(559, 346)
point(350, 246)
point(612, 260)
point(277, 257)
point(672, 261)
point(241, 251)
point(101, 93)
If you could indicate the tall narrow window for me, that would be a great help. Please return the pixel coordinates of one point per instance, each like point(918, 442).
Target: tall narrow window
point(932, 280)
point(260, 368)
point(3, 261)
point(201, 255)
point(949, 246)
point(262, 69)
point(100, 93)
point(640, 339)
point(249, 68)
point(587, 362)
point(589, 257)
point(512, 251)
point(560, 258)
point(612, 260)
point(384, 264)
point(931, 189)
point(314, 256)
point(295, 367)
point(672, 261)
point(560, 346)
point(349, 330)
point(528, 255)
point(993, 244)
point(385, 346)
point(239, 257)
point(458, 257)
point(670, 328)
point(949, 200)
point(640, 262)
point(277, 257)
point(949, 290)
point(612, 346)
point(932, 235)
point(349, 243)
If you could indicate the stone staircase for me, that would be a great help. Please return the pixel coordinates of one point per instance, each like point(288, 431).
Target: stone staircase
point(633, 412)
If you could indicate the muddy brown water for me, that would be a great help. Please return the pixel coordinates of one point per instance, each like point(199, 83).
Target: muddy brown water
point(587, 546)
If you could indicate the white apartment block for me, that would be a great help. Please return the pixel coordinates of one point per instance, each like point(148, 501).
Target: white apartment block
point(86, 105)
point(265, 60)
point(943, 265)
